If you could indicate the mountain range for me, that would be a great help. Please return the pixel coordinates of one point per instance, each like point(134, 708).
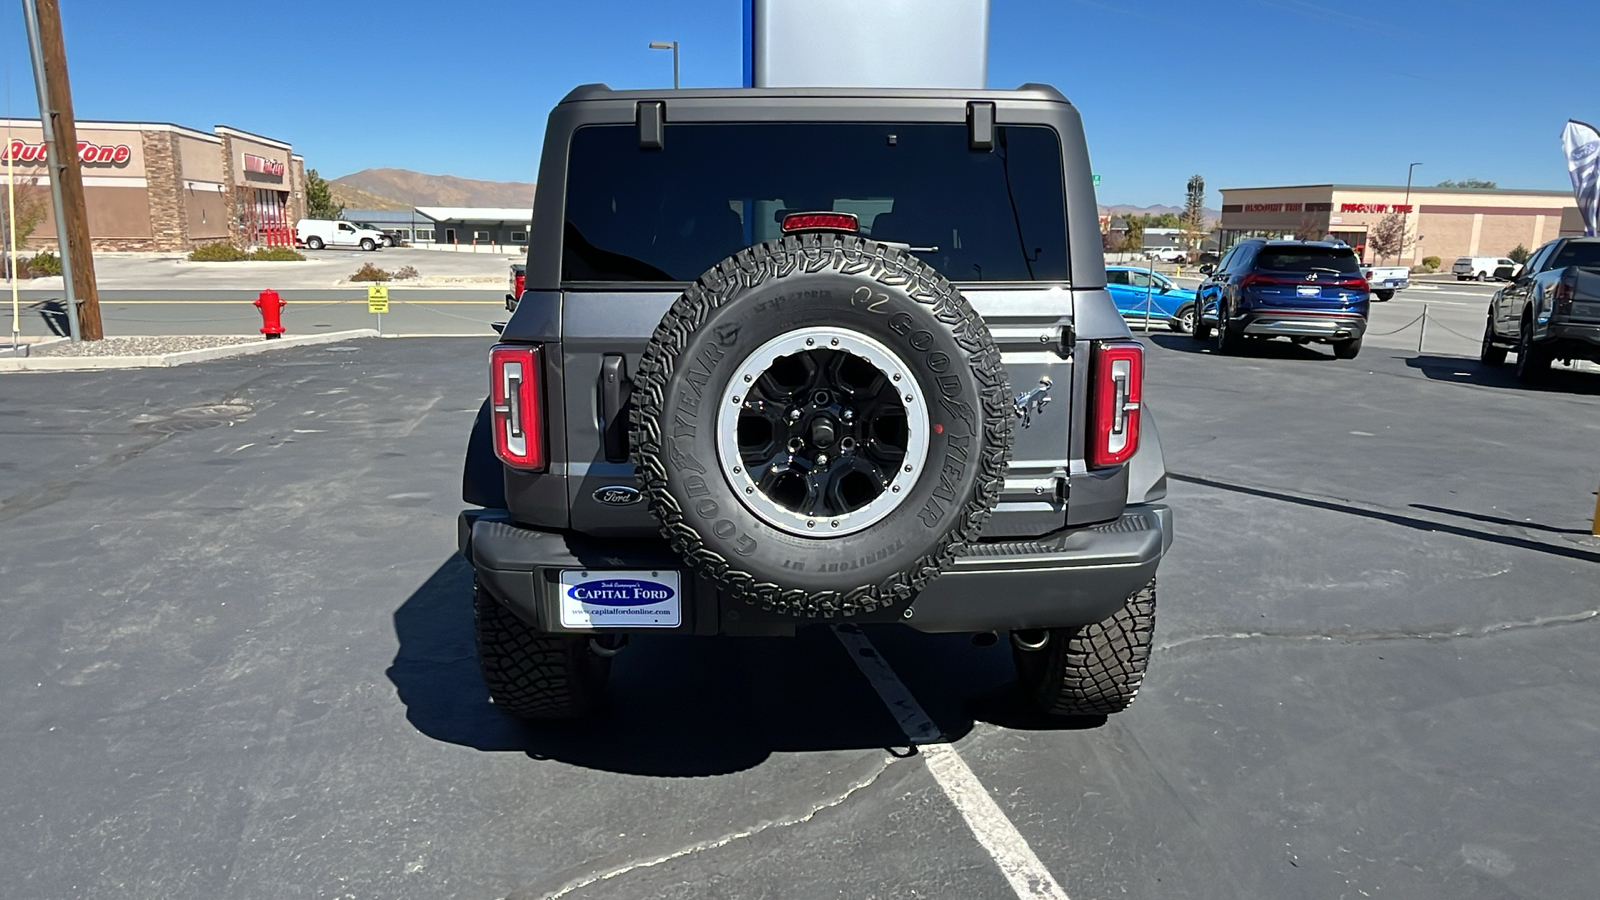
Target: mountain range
point(1155, 209)
point(403, 189)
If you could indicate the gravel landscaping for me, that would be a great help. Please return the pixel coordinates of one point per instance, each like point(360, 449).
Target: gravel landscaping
point(143, 346)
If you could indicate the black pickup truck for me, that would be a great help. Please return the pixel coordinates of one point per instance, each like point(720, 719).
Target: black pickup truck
point(788, 357)
point(1548, 311)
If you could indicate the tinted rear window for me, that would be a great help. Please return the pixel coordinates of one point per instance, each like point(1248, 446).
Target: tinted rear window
point(671, 214)
point(1576, 254)
point(1307, 259)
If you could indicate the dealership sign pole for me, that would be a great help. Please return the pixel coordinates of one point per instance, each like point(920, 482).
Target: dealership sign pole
point(66, 176)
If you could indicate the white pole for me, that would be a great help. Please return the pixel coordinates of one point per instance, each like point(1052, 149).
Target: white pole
point(11, 240)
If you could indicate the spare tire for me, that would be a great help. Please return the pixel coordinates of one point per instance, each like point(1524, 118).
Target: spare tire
point(820, 424)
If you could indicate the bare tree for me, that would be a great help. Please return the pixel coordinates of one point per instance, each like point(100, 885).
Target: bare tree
point(1309, 229)
point(33, 202)
point(1389, 238)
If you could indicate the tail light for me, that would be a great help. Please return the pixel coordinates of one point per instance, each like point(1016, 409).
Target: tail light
point(1357, 282)
point(1562, 295)
point(518, 280)
point(516, 401)
point(1252, 278)
point(1114, 403)
point(820, 221)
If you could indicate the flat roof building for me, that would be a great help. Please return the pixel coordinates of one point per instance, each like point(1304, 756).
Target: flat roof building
point(1443, 222)
point(158, 186)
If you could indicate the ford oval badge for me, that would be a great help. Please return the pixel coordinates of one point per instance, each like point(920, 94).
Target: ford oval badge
point(617, 495)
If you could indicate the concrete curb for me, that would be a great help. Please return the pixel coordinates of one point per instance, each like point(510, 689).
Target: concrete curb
point(83, 363)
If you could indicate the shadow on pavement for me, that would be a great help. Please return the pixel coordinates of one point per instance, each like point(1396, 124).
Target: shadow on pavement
point(1257, 349)
point(1396, 518)
point(53, 313)
point(690, 706)
point(1460, 370)
point(1497, 520)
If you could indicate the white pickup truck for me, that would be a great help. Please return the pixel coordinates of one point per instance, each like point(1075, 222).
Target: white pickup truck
point(1385, 280)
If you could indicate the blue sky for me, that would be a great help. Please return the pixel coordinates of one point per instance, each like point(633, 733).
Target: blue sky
point(1244, 92)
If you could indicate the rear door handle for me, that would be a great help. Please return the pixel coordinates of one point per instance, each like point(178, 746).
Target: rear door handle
point(615, 390)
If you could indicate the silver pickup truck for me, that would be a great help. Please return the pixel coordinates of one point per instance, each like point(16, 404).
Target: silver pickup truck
point(1549, 311)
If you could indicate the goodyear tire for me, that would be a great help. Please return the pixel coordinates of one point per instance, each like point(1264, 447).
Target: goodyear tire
point(821, 423)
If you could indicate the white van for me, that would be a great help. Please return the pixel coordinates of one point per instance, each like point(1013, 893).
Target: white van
point(318, 233)
point(1480, 267)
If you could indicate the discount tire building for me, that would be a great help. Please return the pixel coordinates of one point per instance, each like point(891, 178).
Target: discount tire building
point(155, 186)
point(1443, 222)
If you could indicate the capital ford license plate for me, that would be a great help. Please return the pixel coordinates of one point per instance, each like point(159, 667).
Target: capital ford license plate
point(620, 599)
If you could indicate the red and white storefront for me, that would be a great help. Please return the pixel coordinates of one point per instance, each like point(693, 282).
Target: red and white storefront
point(155, 186)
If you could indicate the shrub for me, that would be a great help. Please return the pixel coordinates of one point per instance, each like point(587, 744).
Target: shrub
point(370, 272)
point(405, 273)
point(43, 263)
point(276, 254)
point(1519, 254)
point(218, 252)
point(1431, 263)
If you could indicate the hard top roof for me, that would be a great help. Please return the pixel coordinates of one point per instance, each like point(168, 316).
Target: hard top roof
point(1035, 92)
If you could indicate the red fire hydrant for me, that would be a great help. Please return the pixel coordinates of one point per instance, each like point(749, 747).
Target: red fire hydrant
point(270, 305)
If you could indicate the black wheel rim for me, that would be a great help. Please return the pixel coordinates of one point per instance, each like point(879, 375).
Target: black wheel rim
point(824, 434)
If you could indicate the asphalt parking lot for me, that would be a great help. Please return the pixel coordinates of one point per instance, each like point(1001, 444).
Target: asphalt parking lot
point(238, 662)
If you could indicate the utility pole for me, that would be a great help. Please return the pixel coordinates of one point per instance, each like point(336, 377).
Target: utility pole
point(66, 174)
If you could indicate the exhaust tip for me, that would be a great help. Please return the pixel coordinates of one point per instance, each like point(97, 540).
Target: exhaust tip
point(985, 639)
point(1030, 639)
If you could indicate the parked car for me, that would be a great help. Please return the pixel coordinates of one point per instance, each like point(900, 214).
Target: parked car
point(388, 236)
point(833, 436)
point(1383, 281)
point(1167, 254)
point(1307, 291)
point(1549, 311)
point(1480, 267)
point(314, 234)
point(1140, 294)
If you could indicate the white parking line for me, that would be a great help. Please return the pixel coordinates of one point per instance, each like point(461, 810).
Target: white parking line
point(1027, 876)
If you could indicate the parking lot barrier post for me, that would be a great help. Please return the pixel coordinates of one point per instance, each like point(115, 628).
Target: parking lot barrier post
point(1422, 333)
point(1595, 528)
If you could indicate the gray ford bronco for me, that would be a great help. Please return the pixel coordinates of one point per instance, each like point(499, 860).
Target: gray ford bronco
point(788, 357)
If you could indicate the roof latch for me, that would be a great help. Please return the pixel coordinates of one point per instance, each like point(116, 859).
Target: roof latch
point(652, 116)
point(980, 125)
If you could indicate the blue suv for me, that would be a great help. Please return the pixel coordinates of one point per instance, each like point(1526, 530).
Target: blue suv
point(1302, 290)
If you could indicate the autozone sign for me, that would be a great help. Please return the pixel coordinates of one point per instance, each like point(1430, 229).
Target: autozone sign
point(263, 166)
point(88, 154)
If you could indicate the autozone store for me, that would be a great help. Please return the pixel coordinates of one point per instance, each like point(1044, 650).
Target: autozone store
point(155, 186)
point(1443, 222)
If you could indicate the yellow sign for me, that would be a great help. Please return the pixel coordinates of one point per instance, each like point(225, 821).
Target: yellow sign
point(377, 298)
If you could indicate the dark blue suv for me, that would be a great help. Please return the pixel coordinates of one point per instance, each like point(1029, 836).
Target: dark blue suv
point(1302, 290)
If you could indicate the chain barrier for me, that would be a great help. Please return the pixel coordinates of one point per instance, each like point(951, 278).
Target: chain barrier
point(1397, 330)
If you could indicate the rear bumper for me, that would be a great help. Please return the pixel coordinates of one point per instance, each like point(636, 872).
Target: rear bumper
point(1073, 577)
point(1571, 340)
point(1296, 323)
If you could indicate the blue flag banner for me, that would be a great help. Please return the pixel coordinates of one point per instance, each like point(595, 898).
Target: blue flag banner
point(1581, 144)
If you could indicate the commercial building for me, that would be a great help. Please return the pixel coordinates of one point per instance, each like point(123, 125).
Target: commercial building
point(1442, 222)
point(156, 186)
point(403, 224)
point(479, 226)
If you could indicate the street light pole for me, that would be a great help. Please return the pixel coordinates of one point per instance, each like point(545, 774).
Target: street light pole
point(673, 46)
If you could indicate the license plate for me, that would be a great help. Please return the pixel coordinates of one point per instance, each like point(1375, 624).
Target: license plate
point(592, 598)
point(1308, 291)
point(1392, 282)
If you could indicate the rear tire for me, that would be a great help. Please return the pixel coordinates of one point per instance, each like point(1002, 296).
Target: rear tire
point(1229, 343)
point(1483, 276)
point(1383, 295)
point(1490, 353)
point(313, 243)
point(1533, 364)
point(531, 674)
point(1091, 670)
point(1201, 331)
point(1346, 349)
